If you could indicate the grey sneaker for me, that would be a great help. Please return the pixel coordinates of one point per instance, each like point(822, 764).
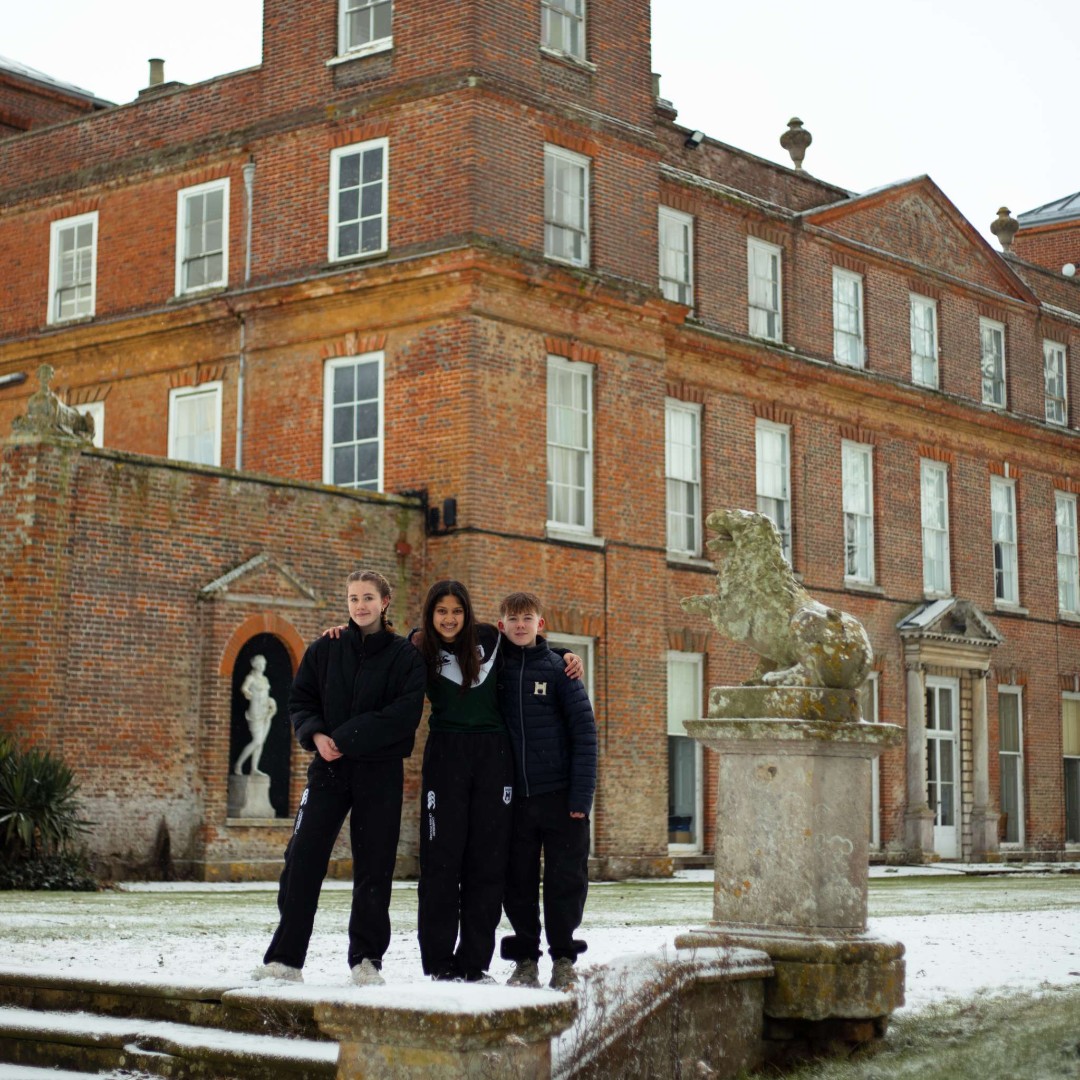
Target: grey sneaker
point(563, 975)
point(277, 970)
point(367, 974)
point(527, 974)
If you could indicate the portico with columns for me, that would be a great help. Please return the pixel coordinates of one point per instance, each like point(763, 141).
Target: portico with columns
point(951, 811)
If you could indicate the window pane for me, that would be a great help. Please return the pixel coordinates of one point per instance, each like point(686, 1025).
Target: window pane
point(373, 165)
point(344, 427)
point(1009, 720)
point(367, 462)
point(1070, 727)
point(349, 240)
point(349, 204)
point(1072, 801)
point(382, 20)
point(344, 382)
point(344, 466)
point(349, 170)
point(371, 232)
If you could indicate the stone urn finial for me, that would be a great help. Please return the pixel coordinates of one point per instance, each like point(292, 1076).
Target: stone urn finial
point(795, 141)
point(1004, 227)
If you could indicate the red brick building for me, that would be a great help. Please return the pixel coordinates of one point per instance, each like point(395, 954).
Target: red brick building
point(467, 251)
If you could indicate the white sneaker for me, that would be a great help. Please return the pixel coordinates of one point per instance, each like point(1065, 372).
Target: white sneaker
point(367, 974)
point(277, 970)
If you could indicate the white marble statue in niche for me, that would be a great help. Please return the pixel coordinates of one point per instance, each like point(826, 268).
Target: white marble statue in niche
point(260, 712)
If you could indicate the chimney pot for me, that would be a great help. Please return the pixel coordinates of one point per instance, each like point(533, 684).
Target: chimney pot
point(157, 72)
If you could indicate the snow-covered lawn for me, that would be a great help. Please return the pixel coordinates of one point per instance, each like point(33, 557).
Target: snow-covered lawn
point(963, 933)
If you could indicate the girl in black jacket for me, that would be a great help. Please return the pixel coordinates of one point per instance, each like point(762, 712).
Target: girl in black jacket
point(356, 700)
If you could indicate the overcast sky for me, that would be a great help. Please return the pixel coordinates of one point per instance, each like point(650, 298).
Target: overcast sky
point(980, 94)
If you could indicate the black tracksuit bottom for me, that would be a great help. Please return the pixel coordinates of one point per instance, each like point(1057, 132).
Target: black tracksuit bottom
point(372, 790)
point(543, 822)
point(465, 816)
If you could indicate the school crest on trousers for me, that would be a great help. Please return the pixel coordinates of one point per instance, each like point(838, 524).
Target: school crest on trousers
point(508, 794)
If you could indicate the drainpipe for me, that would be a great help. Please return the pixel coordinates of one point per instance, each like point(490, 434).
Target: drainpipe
point(249, 185)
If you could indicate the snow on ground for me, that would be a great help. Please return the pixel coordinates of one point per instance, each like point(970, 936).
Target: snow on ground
point(963, 932)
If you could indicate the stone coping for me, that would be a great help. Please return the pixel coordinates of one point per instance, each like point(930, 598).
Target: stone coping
point(784, 703)
point(186, 991)
point(753, 735)
point(807, 947)
point(452, 1016)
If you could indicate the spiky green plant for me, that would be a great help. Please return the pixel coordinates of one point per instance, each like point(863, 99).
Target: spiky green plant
point(40, 812)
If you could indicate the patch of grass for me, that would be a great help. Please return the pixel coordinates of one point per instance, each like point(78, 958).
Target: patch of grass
point(965, 894)
point(990, 1037)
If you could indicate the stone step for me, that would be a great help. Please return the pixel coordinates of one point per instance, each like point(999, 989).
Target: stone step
point(206, 1005)
point(178, 1051)
point(168, 1030)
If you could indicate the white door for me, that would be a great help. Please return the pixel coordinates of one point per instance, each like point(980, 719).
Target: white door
point(942, 761)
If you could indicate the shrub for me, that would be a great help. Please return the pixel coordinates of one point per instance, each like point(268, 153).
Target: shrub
point(66, 871)
point(40, 820)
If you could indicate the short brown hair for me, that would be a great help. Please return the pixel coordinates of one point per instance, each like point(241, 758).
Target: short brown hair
point(520, 603)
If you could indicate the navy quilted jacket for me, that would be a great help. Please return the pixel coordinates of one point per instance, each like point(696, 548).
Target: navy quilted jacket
point(551, 724)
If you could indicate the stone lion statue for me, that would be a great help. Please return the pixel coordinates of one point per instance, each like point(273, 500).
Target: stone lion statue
point(759, 602)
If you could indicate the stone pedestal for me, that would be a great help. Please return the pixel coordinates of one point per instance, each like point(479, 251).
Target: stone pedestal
point(249, 796)
point(491, 1033)
point(792, 848)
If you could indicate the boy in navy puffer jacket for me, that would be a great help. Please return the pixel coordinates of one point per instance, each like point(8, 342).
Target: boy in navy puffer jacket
point(553, 733)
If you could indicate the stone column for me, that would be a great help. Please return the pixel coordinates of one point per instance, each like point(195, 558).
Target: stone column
point(984, 812)
point(918, 817)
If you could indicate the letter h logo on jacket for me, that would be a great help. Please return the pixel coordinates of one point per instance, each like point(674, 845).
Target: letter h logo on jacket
point(540, 689)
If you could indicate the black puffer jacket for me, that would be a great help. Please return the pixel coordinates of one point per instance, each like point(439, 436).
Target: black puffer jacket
point(366, 693)
point(551, 724)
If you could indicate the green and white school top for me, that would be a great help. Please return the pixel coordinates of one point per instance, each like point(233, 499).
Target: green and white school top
point(477, 710)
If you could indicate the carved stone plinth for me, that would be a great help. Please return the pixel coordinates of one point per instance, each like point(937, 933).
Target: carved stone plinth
point(792, 848)
point(792, 839)
point(249, 796)
point(417, 1031)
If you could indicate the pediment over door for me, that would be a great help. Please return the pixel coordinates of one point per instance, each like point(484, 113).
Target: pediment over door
point(261, 581)
point(949, 632)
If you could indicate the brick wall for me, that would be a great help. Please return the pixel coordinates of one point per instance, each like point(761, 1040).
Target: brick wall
point(118, 659)
point(465, 311)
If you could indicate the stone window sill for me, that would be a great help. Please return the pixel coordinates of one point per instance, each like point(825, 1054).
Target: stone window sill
point(677, 560)
point(258, 822)
point(1010, 609)
point(568, 536)
point(570, 61)
point(867, 587)
point(372, 49)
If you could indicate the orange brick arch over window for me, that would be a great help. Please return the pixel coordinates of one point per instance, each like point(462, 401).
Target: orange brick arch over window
point(262, 624)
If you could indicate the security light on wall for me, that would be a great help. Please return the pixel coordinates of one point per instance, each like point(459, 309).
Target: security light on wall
point(694, 139)
point(1069, 269)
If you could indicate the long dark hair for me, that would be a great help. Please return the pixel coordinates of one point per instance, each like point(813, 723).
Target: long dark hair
point(466, 646)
